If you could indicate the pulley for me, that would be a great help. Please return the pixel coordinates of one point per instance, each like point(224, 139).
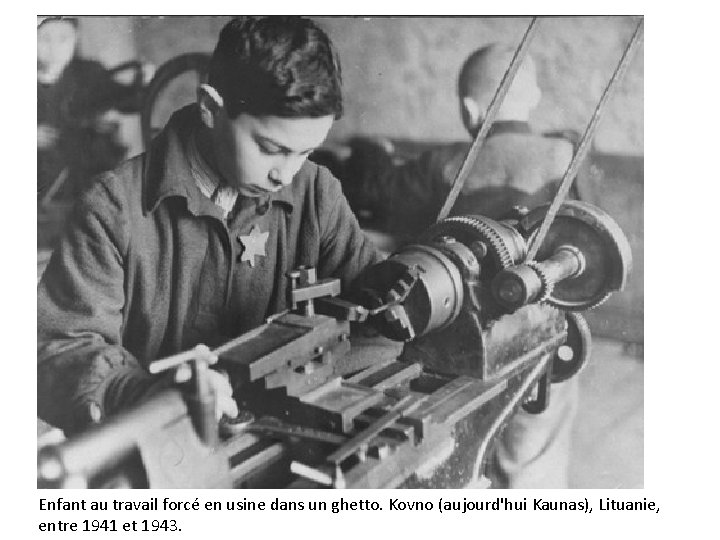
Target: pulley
point(584, 257)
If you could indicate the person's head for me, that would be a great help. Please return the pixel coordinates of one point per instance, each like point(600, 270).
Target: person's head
point(480, 77)
point(56, 42)
point(273, 92)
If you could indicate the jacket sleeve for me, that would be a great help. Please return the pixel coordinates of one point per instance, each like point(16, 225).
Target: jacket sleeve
point(403, 198)
point(84, 373)
point(345, 251)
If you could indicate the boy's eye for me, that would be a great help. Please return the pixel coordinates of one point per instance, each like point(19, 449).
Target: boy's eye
point(269, 148)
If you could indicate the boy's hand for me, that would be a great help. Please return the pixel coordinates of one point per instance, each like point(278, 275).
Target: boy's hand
point(220, 382)
point(224, 402)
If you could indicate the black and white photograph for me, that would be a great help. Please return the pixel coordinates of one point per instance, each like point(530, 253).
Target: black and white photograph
point(340, 252)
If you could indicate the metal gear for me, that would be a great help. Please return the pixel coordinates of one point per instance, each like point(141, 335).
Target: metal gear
point(504, 246)
point(593, 305)
point(547, 284)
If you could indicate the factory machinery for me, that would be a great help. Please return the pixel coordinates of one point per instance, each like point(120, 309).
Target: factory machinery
point(490, 314)
point(486, 333)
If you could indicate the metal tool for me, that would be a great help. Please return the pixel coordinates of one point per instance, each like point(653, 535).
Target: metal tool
point(201, 400)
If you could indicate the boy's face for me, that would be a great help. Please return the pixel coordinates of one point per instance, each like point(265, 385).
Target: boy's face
point(261, 154)
point(56, 41)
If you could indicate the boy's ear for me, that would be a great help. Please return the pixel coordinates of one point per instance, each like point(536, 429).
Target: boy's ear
point(211, 104)
point(470, 112)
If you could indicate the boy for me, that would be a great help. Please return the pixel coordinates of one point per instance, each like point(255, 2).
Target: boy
point(191, 242)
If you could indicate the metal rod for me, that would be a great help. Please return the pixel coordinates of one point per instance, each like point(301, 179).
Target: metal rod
point(584, 145)
point(489, 118)
point(362, 439)
point(199, 352)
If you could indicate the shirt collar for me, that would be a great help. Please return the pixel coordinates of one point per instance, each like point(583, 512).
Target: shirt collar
point(207, 179)
point(204, 176)
point(167, 172)
point(509, 126)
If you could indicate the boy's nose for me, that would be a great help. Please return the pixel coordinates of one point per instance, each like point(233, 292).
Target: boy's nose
point(274, 176)
point(281, 176)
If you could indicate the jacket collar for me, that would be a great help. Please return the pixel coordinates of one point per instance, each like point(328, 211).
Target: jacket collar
point(507, 126)
point(167, 171)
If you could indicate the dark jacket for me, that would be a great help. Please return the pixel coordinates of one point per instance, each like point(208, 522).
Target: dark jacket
point(148, 267)
point(515, 166)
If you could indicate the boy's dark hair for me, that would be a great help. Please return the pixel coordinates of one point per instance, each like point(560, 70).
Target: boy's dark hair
point(278, 66)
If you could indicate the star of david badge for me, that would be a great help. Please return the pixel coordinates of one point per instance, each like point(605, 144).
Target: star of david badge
point(253, 244)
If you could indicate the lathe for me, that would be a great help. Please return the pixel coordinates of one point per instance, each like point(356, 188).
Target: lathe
point(485, 333)
point(490, 313)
